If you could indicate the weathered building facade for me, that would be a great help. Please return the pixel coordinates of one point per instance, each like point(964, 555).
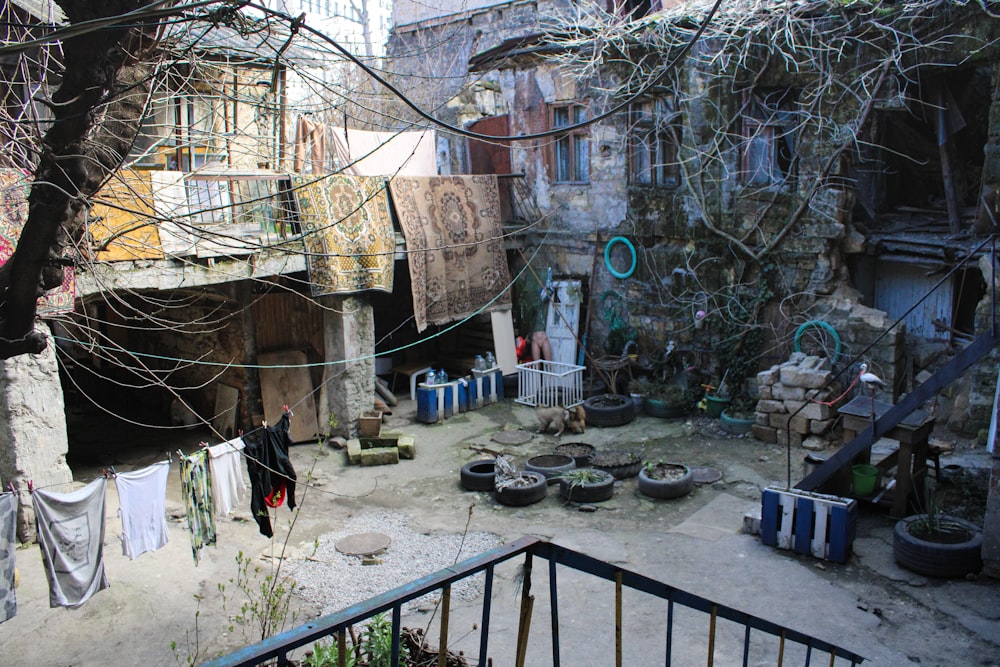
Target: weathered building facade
point(787, 176)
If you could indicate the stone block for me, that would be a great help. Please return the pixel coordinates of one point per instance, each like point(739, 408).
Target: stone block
point(378, 456)
point(816, 411)
point(383, 440)
point(407, 447)
point(799, 424)
point(820, 426)
point(751, 522)
point(765, 392)
point(777, 420)
point(781, 392)
point(785, 436)
point(765, 433)
point(767, 378)
point(354, 451)
point(761, 418)
point(770, 406)
point(815, 444)
point(802, 376)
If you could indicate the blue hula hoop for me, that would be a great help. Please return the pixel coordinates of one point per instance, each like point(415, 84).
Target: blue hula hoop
point(826, 326)
point(607, 257)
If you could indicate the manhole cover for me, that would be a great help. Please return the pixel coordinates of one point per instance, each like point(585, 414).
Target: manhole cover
point(512, 437)
point(705, 475)
point(363, 544)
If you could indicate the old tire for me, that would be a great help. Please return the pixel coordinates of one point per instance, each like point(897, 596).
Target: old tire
point(588, 492)
point(550, 465)
point(478, 475)
point(535, 489)
point(609, 410)
point(936, 559)
point(666, 489)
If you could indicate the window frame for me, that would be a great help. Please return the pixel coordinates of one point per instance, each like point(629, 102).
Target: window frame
point(575, 168)
point(652, 144)
point(769, 125)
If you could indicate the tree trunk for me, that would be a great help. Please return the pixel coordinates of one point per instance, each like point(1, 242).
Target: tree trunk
point(97, 112)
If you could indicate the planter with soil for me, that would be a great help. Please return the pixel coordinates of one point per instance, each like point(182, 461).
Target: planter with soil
point(621, 465)
point(550, 465)
point(523, 489)
point(609, 410)
point(580, 451)
point(586, 485)
point(665, 480)
point(736, 424)
point(938, 546)
point(656, 407)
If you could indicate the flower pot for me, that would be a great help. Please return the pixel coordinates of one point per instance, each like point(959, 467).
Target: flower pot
point(943, 546)
point(714, 405)
point(656, 407)
point(587, 491)
point(370, 423)
point(735, 425)
point(671, 486)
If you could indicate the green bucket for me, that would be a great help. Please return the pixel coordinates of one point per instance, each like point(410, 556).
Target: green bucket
point(714, 405)
point(864, 479)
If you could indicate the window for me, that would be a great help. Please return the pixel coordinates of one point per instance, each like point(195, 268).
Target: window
point(570, 151)
point(653, 144)
point(769, 129)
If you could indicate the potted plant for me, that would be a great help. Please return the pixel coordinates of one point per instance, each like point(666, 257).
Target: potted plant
point(938, 544)
point(586, 485)
point(665, 480)
point(739, 416)
point(668, 401)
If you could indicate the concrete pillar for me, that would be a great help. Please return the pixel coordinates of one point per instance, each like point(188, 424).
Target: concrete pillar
point(33, 441)
point(349, 386)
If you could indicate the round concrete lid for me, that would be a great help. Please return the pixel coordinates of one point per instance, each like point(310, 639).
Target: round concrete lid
point(705, 475)
point(363, 544)
point(512, 437)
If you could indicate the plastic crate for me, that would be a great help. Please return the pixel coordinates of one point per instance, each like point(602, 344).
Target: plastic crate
point(549, 383)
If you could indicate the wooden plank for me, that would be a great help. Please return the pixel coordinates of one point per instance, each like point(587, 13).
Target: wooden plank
point(286, 381)
point(503, 338)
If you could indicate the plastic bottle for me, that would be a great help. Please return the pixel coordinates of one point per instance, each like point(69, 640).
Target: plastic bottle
point(431, 377)
point(491, 361)
point(442, 377)
point(480, 363)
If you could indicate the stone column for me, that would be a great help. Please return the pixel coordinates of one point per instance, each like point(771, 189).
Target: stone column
point(348, 386)
point(33, 440)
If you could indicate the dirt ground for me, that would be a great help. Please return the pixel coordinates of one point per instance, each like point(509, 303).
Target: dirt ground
point(867, 605)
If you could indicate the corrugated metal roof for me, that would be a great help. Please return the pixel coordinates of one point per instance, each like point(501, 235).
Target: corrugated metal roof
point(45, 11)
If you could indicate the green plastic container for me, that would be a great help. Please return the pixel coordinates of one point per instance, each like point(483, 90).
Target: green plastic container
point(864, 479)
point(714, 405)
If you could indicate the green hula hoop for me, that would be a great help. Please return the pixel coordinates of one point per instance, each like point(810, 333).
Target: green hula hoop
point(607, 257)
point(826, 326)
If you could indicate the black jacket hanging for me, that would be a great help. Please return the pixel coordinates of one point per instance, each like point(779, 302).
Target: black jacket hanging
point(272, 476)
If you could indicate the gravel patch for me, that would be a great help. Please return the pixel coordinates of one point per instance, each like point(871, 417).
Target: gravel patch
point(333, 581)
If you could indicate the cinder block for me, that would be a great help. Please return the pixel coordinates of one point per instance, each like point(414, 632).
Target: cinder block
point(751, 522)
point(354, 451)
point(377, 456)
point(407, 447)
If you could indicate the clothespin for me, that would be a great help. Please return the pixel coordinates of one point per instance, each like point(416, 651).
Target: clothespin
point(203, 444)
point(31, 486)
point(239, 432)
point(170, 459)
point(109, 472)
point(10, 485)
point(263, 423)
point(288, 410)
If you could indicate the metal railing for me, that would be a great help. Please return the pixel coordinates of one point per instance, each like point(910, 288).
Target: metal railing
point(780, 643)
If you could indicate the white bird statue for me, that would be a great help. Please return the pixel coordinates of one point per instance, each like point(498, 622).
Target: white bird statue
point(870, 380)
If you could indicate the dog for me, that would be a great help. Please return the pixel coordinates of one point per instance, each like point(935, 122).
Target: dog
point(560, 418)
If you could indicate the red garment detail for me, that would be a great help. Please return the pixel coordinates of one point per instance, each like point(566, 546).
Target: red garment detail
point(277, 496)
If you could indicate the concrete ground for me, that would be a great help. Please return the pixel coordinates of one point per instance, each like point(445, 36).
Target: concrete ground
point(869, 605)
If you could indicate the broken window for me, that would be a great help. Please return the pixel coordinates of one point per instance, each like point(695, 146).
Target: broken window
point(570, 151)
point(653, 143)
point(769, 123)
point(633, 9)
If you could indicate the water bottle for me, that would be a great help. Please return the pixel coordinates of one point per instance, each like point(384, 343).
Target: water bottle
point(491, 361)
point(480, 364)
point(442, 377)
point(431, 377)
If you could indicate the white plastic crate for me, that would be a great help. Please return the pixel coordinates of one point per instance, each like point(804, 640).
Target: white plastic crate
point(549, 383)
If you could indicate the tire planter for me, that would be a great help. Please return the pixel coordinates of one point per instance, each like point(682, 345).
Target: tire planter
point(550, 465)
point(478, 475)
point(938, 559)
point(658, 408)
point(535, 488)
point(580, 451)
point(588, 492)
point(735, 425)
point(625, 465)
point(714, 405)
point(609, 410)
point(666, 489)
